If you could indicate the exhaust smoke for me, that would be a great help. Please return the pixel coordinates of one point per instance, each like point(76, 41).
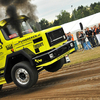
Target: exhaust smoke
point(14, 21)
point(5, 2)
point(13, 7)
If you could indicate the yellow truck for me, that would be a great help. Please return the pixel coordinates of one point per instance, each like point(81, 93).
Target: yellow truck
point(22, 58)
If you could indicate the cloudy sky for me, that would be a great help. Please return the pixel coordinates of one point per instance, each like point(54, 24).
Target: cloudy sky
point(48, 9)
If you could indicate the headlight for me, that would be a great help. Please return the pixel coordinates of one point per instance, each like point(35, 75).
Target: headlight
point(64, 36)
point(71, 44)
point(51, 55)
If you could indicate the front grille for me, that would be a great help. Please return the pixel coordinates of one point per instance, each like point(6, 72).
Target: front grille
point(56, 36)
point(57, 52)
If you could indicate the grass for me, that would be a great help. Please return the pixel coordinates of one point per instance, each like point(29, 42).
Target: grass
point(83, 56)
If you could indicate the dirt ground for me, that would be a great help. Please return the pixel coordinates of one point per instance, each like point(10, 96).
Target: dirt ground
point(75, 82)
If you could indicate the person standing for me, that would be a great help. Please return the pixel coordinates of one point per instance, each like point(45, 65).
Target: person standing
point(69, 37)
point(94, 35)
point(98, 30)
point(81, 38)
point(90, 37)
point(98, 36)
point(99, 24)
point(92, 29)
point(72, 37)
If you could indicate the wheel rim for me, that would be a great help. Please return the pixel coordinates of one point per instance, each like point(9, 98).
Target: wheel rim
point(22, 76)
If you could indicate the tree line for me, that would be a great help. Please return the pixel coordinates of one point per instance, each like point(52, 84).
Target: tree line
point(65, 17)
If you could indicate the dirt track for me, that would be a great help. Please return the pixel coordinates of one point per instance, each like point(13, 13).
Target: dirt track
point(75, 82)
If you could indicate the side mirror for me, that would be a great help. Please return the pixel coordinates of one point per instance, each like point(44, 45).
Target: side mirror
point(1, 41)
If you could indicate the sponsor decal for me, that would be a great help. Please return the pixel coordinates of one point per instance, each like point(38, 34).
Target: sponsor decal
point(9, 46)
point(27, 39)
point(1, 47)
point(38, 60)
point(38, 45)
point(13, 36)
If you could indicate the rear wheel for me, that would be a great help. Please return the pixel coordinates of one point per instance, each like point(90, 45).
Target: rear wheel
point(24, 75)
point(1, 87)
point(55, 66)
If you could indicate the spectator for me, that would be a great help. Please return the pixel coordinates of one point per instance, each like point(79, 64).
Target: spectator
point(69, 36)
point(95, 30)
point(81, 38)
point(90, 37)
point(99, 24)
point(98, 30)
point(92, 29)
point(72, 38)
point(85, 30)
point(94, 35)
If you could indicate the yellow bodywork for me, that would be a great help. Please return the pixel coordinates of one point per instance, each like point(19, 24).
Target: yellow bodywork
point(26, 42)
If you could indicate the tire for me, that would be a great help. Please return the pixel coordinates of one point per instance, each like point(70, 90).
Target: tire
point(55, 66)
point(24, 75)
point(1, 87)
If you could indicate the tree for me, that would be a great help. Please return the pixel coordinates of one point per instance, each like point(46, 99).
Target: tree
point(86, 11)
point(80, 7)
point(97, 8)
point(56, 23)
point(44, 24)
point(63, 17)
point(93, 5)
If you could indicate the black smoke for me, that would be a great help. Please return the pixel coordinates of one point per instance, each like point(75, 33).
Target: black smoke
point(21, 6)
point(5, 2)
point(24, 6)
point(28, 9)
point(14, 20)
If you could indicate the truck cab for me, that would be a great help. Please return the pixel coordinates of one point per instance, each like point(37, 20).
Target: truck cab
point(22, 58)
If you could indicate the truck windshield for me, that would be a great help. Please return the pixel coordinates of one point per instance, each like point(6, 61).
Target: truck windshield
point(10, 33)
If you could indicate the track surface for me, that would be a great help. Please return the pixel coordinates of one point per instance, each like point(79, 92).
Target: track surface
point(75, 82)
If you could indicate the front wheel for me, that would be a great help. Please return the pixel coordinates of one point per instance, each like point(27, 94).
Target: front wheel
point(55, 66)
point(24, 75)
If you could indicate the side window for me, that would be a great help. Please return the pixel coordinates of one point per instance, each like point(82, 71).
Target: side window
point(5, 35)
point(9, 32)
point(26, 28)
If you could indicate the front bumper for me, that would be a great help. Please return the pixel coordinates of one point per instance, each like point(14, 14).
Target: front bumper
point(57, 54)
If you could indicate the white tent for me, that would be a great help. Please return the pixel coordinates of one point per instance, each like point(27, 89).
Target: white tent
point(88, 21)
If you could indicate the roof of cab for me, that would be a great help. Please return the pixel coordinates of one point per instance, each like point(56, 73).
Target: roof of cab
point(5, 21)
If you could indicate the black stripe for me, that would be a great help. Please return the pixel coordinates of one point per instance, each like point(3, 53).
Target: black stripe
point(2, 75)
point(2, 69)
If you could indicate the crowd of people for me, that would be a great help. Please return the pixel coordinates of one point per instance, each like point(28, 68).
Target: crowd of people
point(90, 33)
